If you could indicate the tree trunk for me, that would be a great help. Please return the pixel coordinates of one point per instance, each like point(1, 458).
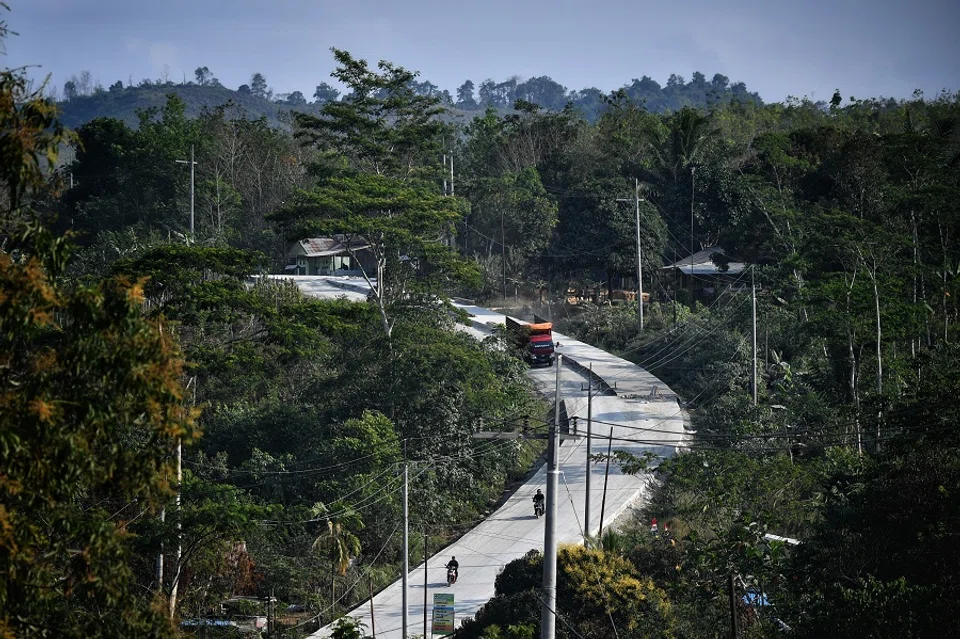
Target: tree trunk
point(876, 302)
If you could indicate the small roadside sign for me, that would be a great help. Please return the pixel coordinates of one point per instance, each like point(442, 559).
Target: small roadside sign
point(444, 618)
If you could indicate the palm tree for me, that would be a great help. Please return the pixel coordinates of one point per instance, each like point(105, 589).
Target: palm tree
point(338, 539)
point(677, 148)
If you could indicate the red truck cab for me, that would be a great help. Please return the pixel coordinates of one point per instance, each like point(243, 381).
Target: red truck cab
point(534, 339)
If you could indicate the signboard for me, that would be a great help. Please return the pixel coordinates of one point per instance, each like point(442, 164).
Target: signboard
point(443, 615)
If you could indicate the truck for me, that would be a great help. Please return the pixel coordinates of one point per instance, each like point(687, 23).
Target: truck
point(534, 339)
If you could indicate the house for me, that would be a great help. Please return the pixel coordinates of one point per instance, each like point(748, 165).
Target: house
point(708, 272)
point(335, 255)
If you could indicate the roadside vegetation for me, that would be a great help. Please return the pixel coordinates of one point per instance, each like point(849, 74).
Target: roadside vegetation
point(127, 339)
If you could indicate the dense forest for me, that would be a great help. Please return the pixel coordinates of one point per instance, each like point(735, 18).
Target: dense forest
point(130, 343)
point(82, 98)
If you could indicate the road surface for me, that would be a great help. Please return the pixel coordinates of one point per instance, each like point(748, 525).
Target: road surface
point(643, 414)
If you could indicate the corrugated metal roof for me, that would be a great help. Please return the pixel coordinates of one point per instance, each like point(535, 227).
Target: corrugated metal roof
point(336, 245)
point(701, 263)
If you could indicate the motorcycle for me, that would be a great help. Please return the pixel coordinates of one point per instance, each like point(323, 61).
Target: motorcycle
point(538, 509)
point(451, 576)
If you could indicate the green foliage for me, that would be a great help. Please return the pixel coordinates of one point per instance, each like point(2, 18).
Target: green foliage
point(31, 141)
point(596, 591)
point(92, 404)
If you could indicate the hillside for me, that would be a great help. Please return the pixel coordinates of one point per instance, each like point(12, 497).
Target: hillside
point(123, 103)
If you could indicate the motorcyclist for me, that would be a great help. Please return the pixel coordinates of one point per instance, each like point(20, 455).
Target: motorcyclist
point(538, 500)
point(454, 565)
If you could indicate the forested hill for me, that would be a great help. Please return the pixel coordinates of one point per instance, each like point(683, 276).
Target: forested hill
point(83, 100)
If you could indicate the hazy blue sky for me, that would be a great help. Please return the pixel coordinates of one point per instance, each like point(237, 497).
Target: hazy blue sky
point(777, 47)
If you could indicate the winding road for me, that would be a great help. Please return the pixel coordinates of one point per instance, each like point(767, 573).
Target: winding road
point(642, 412)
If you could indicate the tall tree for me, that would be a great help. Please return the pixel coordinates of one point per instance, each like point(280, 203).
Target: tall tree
point(203, 76)
point(325, 93)
point(92, 404)
point(379, 189)
point(258, 85)
point(677, 148)
point(465, 99)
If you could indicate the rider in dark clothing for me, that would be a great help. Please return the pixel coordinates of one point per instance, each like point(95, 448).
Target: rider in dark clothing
point(538, 499)
point(454, 565)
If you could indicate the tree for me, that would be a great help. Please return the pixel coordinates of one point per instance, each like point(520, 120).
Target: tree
point(204, 77)
point(486, 90)
point(513, 209)
point(70, 90)
point(594, 590)
point(543, 91)
point(325, 93)
point(465, 98)
point(677, 149)
point(296, 99)
point(400, 222)
point(131, 177)
point(84, 83)
point(92, 405)
point(390, 139)
point(258, 86)
point(338, 540)
point(384, 127)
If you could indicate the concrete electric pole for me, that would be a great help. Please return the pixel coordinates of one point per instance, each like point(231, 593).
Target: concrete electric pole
point(406, 548)
point(548, 618)
point(192, 164)
point(638, 199)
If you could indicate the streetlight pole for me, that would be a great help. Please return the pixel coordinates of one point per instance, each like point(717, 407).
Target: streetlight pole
point(192, 164)
point(638, 199)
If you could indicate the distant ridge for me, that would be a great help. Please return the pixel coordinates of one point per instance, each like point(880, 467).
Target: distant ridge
point(123, 103)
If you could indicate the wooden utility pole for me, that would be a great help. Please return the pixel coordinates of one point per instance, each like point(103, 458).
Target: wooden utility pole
point(732, 593)
point(373, 623)
point(606, 478)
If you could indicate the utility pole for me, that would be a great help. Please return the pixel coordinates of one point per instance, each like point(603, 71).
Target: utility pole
point(732, 593)
point(753, 300)
point(373, 622)
point(503, 255)
point(638, 199)
point(676, 285)
point(192, 164)
point(426, 584)
point(406, 548)
point(445, 174)
point(639, 261)
point(693, 178)
point(606, 478)
point(586, 500)
point(174, 585)
point(547, 619)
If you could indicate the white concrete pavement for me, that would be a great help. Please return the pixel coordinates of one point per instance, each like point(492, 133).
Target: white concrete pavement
point(644, 415)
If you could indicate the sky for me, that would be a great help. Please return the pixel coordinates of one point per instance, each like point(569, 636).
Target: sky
point(778, 48)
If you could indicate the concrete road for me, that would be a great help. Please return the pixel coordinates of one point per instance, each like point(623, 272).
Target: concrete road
point(644, 416)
